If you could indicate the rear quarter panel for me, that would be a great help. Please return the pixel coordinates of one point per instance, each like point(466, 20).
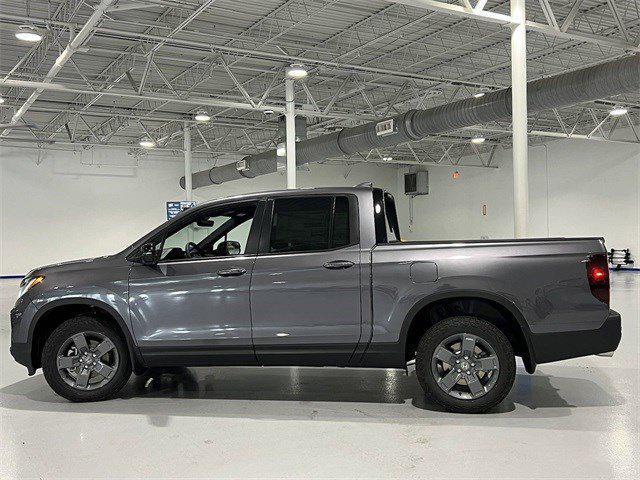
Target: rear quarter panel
point(545, 280)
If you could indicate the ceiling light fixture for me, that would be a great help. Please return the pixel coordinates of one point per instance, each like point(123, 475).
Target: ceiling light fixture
point(479, 94)
point(478, 140)
point(296, 71)
point(281, 150)
point(618, 111)
point(268, 111)
point(202, 116)
point(1, 100)
point(146, 142)
point(387, 159)
point(28, 33)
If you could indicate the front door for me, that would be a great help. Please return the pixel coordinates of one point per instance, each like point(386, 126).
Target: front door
point(305, 287)
point(193, 307)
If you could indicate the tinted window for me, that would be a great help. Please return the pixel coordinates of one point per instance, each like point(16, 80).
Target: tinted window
point(393, 229)
point(340, 236)
point(309, 224)
point(385, 217)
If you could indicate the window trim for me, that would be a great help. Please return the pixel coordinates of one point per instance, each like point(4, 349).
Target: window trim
point(354, 224)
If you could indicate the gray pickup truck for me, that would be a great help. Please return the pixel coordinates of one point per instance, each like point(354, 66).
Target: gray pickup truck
point(315, 277)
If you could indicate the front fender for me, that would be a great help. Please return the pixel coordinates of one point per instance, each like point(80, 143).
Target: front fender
point(101, 298)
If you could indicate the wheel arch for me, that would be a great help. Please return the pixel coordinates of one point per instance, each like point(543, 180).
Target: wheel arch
point(54, 313)
point(496, 309)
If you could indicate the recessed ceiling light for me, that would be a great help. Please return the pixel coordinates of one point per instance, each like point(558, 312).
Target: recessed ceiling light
point(478, 140)
point(146, 142)
point(296, 71)
point(28, 33)
point(479, 94)
point(618, 111)
point(202, 116)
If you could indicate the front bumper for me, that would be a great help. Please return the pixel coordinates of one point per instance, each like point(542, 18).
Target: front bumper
point(551, 347)
point(21, 352)
point(21, 317)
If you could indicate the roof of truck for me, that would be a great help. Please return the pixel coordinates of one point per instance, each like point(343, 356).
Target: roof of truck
point(291, 192)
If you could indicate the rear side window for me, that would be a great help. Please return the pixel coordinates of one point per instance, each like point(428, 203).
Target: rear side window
point(385, 217)
point(309, 224)
point(340, 235)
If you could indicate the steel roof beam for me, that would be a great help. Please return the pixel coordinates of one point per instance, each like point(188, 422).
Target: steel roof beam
point(64, 57)
point(552, 30)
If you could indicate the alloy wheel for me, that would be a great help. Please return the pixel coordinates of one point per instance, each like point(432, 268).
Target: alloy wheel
point(465, 366)
point(87, 360)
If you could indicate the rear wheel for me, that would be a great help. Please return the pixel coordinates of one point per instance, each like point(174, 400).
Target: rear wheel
point(85, 360)
point(465, 364)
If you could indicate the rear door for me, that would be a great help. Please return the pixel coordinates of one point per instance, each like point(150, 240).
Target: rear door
point(305, 287)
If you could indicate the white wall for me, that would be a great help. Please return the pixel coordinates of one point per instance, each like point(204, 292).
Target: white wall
point(62, 206)
point(581, 188)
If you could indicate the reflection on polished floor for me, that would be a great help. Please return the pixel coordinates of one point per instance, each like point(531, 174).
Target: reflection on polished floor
point(573, 419)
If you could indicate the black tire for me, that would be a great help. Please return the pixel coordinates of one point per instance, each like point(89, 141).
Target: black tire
point(447, 328)
point(71, 327)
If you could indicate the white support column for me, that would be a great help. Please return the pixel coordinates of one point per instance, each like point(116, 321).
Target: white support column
point(188, 179)
point(519, 112)
point(290, 117)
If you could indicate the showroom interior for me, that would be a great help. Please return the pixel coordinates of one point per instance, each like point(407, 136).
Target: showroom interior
point(485, 119)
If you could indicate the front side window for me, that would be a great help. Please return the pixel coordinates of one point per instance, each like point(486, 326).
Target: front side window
point(309, 224)
point(211, 234)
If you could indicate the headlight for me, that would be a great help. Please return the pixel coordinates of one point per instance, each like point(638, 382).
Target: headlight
point(27, 283)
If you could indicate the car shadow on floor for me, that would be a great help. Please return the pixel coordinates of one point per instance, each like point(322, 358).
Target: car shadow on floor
point(303, 393)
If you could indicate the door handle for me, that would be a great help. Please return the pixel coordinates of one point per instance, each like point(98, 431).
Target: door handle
point(232, 272)
point(338, 264)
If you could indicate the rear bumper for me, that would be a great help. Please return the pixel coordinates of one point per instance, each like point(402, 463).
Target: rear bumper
point(551, 347)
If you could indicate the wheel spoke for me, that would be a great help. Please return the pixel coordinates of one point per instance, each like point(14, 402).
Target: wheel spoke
point(445, 355)
point(487, 364)
point(80, 342)
point(474, 384)
point(450, 379)
point(68, 362)
point(103, 369)
point(82, 379)
point(468, 344)
point(104, 347)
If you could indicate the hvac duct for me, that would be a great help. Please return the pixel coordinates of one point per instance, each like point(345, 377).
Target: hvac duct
point(604, 80)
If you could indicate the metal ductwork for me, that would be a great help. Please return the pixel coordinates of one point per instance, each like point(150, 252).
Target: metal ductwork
point(599, 81)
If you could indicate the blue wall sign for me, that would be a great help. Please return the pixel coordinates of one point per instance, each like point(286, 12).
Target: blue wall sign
point(174, 208)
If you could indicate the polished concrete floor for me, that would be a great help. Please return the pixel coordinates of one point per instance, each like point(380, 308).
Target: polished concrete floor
point(573, 419)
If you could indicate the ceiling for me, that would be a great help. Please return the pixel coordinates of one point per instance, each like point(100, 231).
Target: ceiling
point(149, 65)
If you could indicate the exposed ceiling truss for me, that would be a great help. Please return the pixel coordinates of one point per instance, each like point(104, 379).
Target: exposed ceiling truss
point(149, 65)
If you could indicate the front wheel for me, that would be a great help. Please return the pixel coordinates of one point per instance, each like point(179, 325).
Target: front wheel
point(85, 360)
point(465, 364)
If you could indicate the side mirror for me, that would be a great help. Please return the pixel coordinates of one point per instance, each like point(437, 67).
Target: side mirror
point(148, 254)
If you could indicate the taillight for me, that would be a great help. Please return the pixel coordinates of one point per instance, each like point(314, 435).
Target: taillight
point(598, 275)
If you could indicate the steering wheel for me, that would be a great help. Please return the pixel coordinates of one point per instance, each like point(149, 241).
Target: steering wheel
point(192, 250)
